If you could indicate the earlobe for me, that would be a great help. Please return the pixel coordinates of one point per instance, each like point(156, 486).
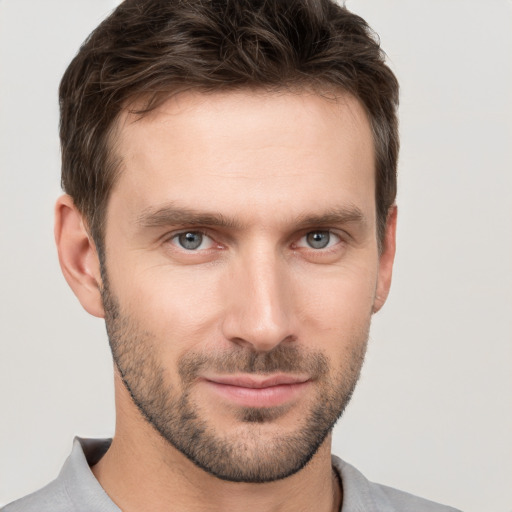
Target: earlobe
point(386, 260)
point(78, 256)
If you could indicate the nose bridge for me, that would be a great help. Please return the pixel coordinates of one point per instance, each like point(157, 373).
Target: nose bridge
point(259, 314)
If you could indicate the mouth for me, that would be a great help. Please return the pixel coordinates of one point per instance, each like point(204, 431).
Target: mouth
point(258, 391)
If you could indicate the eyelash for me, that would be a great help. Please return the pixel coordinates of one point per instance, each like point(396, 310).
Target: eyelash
point(175, 236)
point(330, 234)
point(327, 248)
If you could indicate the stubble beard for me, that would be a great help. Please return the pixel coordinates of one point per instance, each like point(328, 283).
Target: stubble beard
point(248, 456)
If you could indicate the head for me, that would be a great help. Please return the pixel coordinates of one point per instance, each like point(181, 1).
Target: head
point(231, 171)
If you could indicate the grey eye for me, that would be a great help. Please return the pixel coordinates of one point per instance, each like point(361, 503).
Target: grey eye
point(318, 239)
point(190, 240)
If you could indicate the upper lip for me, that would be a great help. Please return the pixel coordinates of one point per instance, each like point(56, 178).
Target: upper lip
point(257, 382)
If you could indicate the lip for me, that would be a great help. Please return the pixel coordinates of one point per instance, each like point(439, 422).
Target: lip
point(257, 391)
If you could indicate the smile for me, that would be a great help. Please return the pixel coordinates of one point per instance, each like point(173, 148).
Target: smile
point(253, 391)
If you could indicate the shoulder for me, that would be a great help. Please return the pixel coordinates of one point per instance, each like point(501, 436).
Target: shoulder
point(51, 498)
point(75, 489)
point(360, 494)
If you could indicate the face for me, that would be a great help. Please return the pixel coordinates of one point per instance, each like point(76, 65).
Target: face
point(241, 272)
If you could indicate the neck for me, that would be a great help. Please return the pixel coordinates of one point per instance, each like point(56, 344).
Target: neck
point(142, 471)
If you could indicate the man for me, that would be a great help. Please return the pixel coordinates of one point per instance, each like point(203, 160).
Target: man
point(230, 170)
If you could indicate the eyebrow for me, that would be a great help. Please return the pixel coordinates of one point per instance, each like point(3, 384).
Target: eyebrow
point(333, 216)
point(173, 215)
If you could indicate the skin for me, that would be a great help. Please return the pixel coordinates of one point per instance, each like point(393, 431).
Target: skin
point(276, 166)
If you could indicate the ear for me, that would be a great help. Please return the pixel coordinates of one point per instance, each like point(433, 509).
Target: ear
point(78, 257)
point(386, 259)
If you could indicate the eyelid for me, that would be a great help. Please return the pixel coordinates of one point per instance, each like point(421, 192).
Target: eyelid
point(332, 232)
point(171, 238)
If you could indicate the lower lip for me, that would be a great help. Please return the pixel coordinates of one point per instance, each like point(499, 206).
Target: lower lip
point(271, 396)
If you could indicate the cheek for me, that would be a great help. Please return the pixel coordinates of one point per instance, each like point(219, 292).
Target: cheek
point(336, 314)
point(183, 308)
point(341, 296)
point(177, 306)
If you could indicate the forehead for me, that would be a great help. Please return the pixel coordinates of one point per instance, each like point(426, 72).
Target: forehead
point(230, 151)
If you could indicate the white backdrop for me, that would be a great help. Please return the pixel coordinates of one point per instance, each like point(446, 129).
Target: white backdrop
point(433, 411)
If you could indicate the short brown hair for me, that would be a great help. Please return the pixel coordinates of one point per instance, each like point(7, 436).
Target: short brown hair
point(154, 48)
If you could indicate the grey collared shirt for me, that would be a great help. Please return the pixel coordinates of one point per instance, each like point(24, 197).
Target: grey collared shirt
point(77, 490)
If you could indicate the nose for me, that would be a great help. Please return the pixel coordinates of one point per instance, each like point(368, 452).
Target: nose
point(260, 303)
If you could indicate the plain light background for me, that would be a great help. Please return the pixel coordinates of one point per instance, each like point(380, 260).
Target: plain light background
point(433, 411)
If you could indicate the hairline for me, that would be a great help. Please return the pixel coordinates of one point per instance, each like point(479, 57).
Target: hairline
point(142, 105)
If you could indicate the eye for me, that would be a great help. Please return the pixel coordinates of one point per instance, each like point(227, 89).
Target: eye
point(320, 239)
point(192, 240)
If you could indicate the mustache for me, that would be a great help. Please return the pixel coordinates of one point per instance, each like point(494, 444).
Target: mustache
point(283, 358)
